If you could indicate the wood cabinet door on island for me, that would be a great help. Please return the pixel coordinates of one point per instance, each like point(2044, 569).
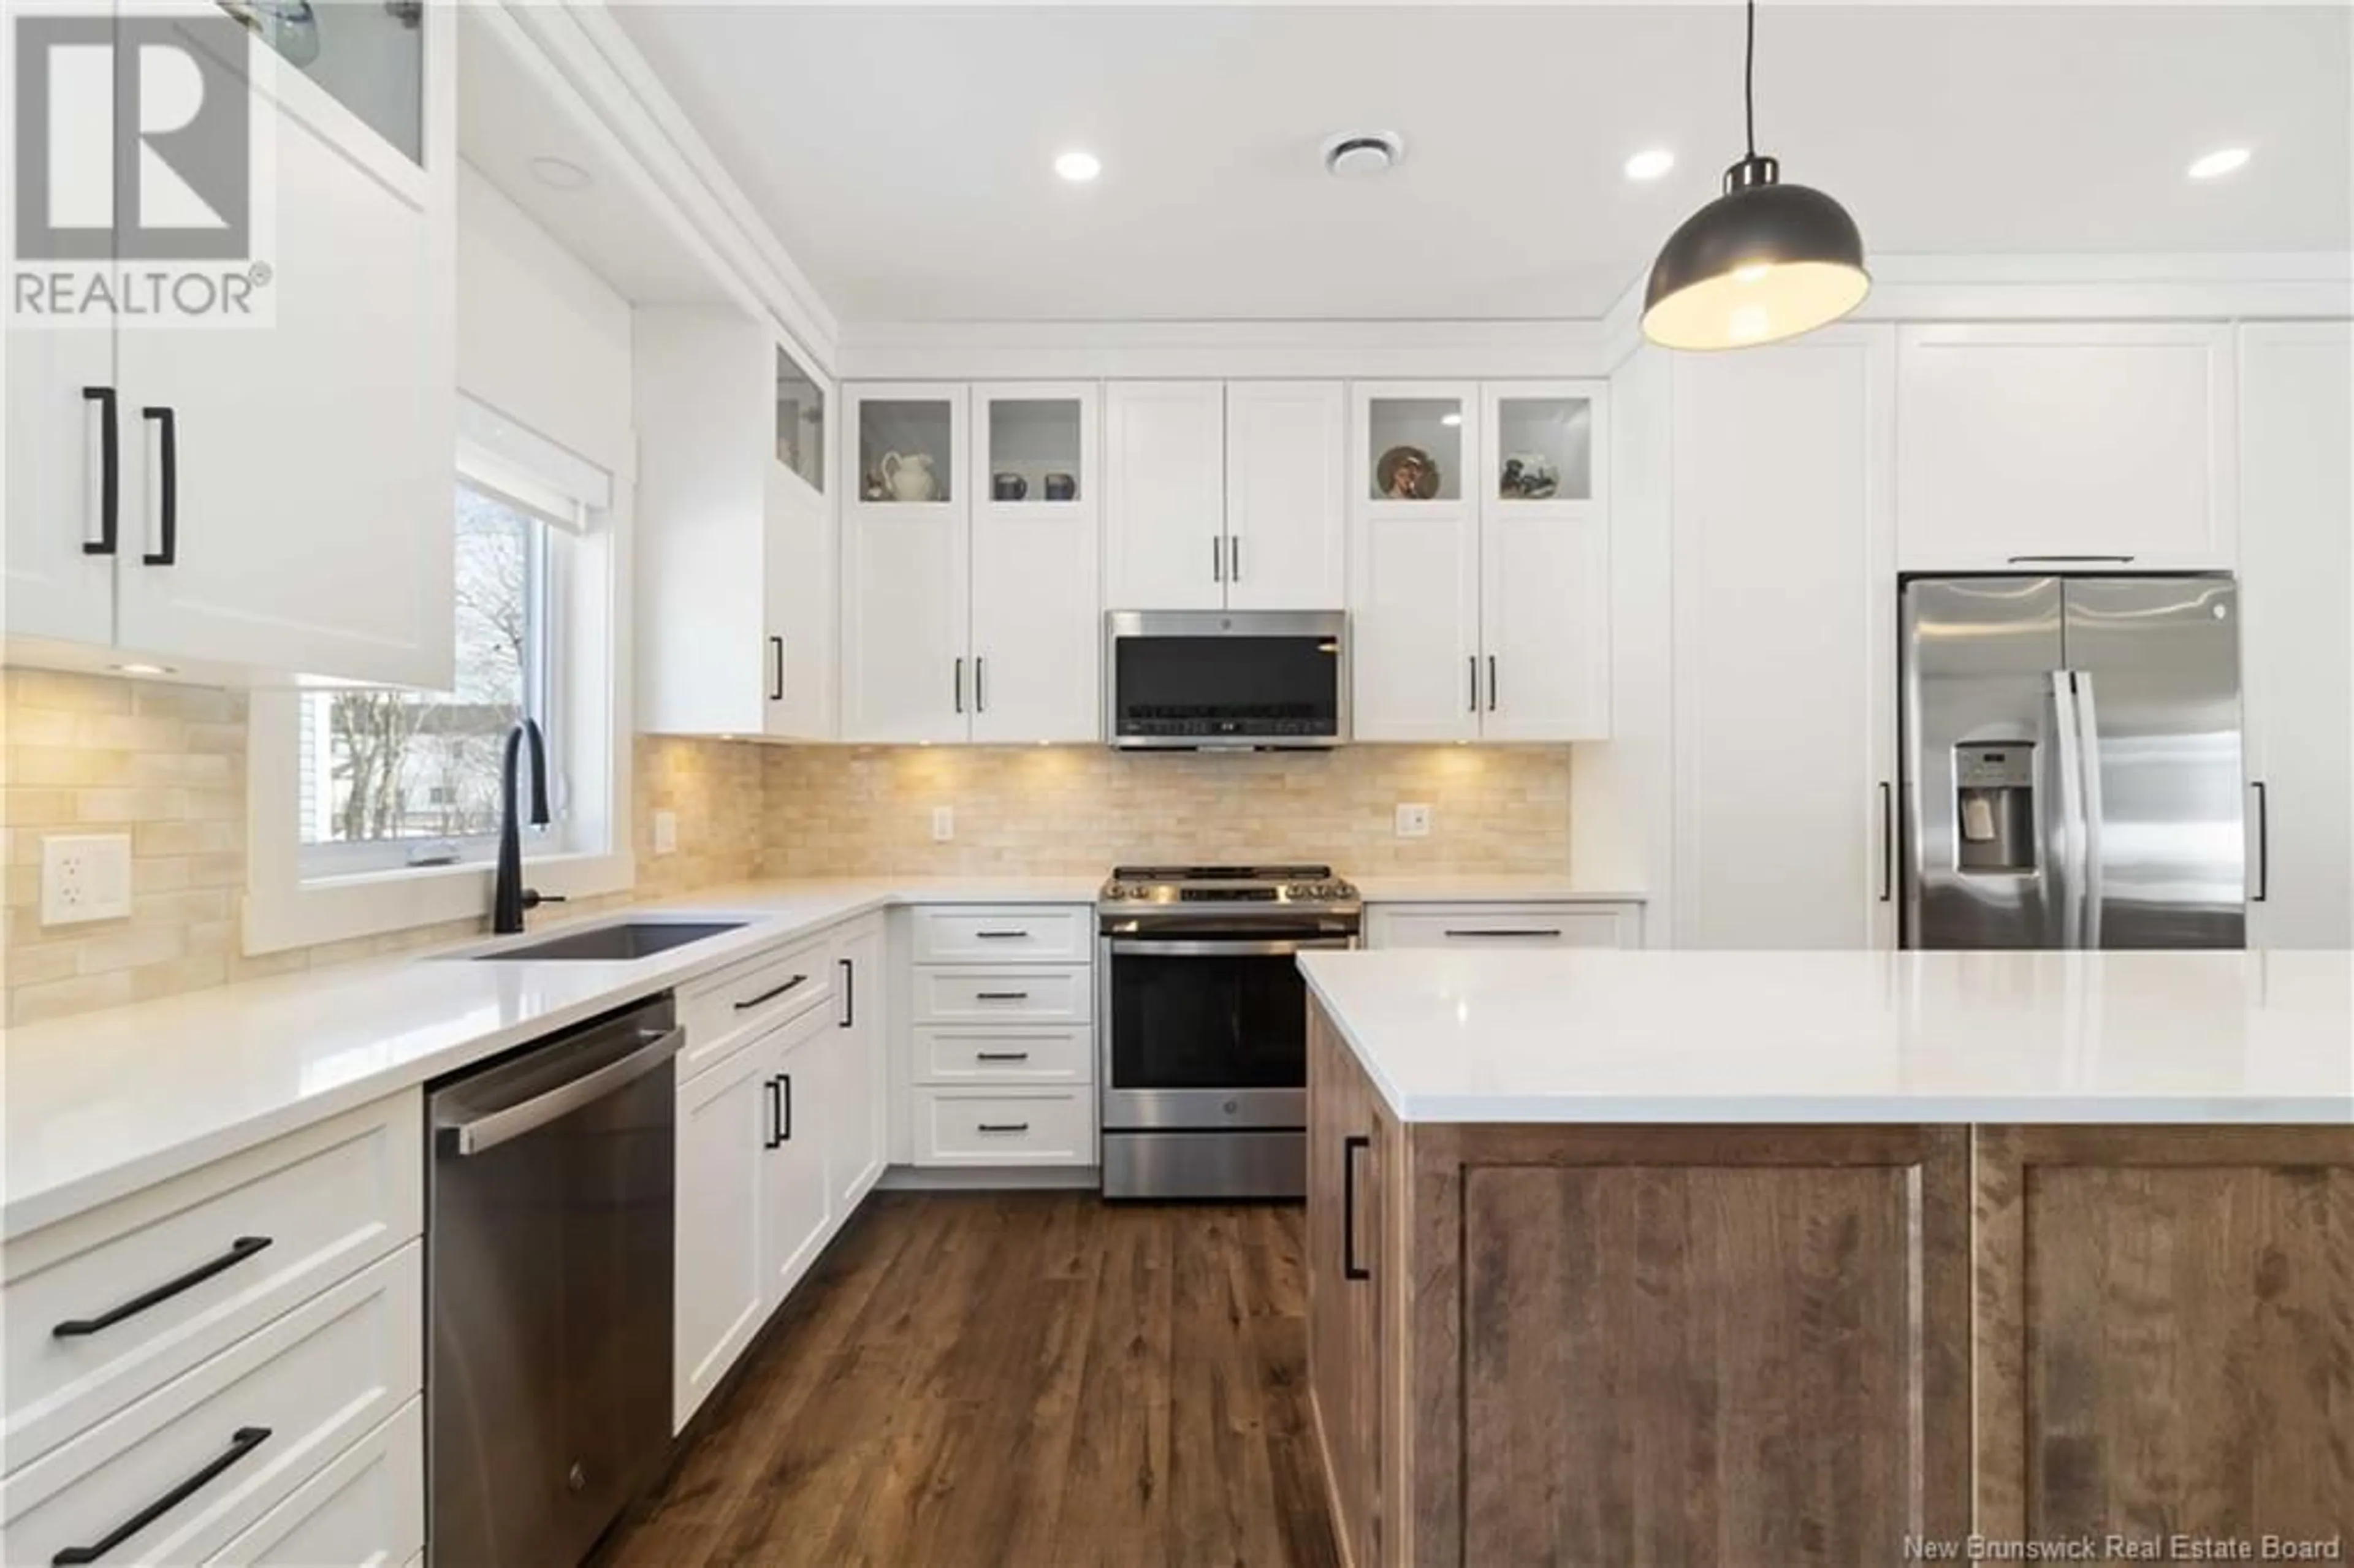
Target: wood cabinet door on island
point(1350, 1138)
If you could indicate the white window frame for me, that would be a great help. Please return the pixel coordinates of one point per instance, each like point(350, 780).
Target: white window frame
point(590, 725)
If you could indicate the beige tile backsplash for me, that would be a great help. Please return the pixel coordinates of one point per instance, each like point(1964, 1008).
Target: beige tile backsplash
point(166, 764)
point(1057, 810)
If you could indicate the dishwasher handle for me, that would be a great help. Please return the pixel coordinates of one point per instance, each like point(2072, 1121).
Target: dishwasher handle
point(477, 1134)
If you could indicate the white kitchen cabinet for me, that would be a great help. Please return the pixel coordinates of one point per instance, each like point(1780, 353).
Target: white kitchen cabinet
point(734, 567)
point(721, 1295)
point(1037, 624)
point(1004, 1126)
point(857, 1118)
point(1475, 926)
point(1001, 1004)
point(2075, 445)
point(1479, 604)
point(1287, 513)
point(906, 597)
point(284, 489)
point(366, 1506)
point(2296, 554)
point(1784, 645)
point(797, 1203)
point(1164, 495)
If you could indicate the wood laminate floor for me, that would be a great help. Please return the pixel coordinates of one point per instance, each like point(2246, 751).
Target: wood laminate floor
point(1013, 1380)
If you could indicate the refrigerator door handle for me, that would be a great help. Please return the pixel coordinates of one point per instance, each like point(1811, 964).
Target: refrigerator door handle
point(2088, 757)
point(2072, 809)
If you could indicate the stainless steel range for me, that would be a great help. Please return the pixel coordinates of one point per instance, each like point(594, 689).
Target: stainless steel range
point(1204, 1022)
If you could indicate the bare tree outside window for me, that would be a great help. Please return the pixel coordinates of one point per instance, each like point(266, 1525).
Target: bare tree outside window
point(381, 765)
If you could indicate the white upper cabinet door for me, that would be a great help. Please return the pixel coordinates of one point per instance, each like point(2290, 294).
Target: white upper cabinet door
point(906, 600)
point(1414, 563)
point(2060, 446)
point(797, 665)
point(287, 488)
point(1037, 623)
point(1544, 563)
point(1287, 501)
point(1784, 645)
point(58, 565)
point(1164, 495)
point(2296, 551)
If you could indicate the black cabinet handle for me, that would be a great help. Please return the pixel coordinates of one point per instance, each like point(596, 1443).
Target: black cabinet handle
point(1217, 559)
point(999, 935)
point(1001, 996)
point(1474, 662)
point(168, 432)
point(770, 995)
point(1233, 557)
point(1001, 1055)
point(2263, 843)
point(980, 684)
point(1350, 1267)
point(958, 679)
point(1506, 932)
point(1004, 1127)
point(785, 1112)
point(849, 993)
point(1887, 841)
point(1491, 683)
point(239, 1251)
point(769, 1138)
point(243, 1441)
point(110, 472)
point(776, 669)
point(2071, 560)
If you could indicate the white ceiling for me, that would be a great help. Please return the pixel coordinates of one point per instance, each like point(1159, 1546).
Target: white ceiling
point(901, 154)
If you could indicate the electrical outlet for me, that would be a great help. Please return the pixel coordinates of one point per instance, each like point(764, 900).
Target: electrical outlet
point(665, 832)
point(85, 876)
point(1413, 822)
point(943, 823)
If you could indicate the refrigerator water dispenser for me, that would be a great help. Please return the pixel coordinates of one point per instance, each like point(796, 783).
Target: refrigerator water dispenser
point(1994, 807)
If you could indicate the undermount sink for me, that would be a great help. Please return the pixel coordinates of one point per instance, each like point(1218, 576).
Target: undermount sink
point(613, 944)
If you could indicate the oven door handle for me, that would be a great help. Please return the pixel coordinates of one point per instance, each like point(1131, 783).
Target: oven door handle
point(1271, 947)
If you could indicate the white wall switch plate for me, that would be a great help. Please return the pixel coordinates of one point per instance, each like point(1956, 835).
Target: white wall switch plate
point(665, 832)
point(943, 823)
point(1413, 822)
point(85, 876)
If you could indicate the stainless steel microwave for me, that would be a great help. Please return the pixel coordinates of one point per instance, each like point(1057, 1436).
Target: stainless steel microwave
point(1214, 680)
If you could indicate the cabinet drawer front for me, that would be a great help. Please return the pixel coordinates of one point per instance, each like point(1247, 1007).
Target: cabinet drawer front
point(953, 1055)
point(734, 1006)
point(1502, 925)
point(366, 1506)
point(957, 1127)
point(248, 1427)
point(214, 1255)
point(1019, 934)
point(1008, 995)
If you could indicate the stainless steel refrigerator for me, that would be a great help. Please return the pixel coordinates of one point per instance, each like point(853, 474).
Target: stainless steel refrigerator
point(2072, 771)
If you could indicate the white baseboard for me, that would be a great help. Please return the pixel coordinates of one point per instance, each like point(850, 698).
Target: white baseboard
point(989, 1179)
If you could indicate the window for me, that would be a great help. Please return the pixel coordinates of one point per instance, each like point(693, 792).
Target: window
point(392, 778)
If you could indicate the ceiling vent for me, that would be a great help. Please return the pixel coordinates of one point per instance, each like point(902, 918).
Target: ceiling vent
point(1354, 155)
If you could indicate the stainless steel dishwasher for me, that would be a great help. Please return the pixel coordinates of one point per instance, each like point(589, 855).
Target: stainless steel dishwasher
point(547, 1257)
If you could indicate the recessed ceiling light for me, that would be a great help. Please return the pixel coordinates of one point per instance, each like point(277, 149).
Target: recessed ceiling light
point(2218, 162)
point(1079, 167)
point(1650, 164)
point(1353, 154)
point(142, 668)
point(561, 174)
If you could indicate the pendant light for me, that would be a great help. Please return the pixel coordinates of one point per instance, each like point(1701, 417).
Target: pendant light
point(1763, 261)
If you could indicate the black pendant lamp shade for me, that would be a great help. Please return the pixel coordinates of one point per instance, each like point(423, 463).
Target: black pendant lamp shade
point(1763, 261)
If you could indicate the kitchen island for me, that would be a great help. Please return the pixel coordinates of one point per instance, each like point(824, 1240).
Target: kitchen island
point(1628, 1259)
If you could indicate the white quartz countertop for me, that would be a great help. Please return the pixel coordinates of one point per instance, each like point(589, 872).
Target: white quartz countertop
point(1603, 1036)
point(101, 1104)
point(1506, 889)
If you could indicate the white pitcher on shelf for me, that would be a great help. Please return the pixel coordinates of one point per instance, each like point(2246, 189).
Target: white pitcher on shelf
point(909, 478)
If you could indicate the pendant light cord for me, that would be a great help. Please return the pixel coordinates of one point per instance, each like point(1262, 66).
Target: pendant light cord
point(1749, 82)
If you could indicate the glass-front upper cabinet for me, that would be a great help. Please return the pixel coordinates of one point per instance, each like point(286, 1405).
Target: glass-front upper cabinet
point(1540, 443)
point(1416, 440)
point(367, 55)
point(1037, 444)
point(908, 442)
point(800, 422)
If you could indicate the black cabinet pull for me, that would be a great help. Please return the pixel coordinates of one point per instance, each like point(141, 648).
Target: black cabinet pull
point(1887, 841)
point(1004, 1127)
point(1217, 559)
point(1233, 557)
point(2263, 843)
point(1350, 1267)
point(110, 472)
point(770, 995)
point(1001, 996)
point(243, 1441)
point(772, 1136)
point(168, 432)
point(980, 684)
point(2071, 560)
point(1507, 931)
point(776, 669)
point(239, 1251)
point(1474, 662)
point(849, 993)
point(1001, 1055)
point(785, 1116)
point(999, 935)
point(1491, 683)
